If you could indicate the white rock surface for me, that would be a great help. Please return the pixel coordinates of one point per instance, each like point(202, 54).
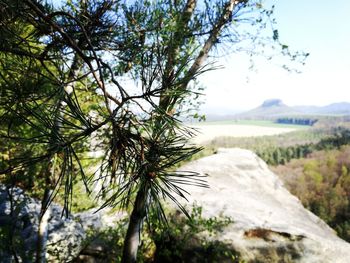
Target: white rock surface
point(270, 224)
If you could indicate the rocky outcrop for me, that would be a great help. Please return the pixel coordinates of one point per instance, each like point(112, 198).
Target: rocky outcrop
point(19, 222)
point(66, 235)
point(270, 224)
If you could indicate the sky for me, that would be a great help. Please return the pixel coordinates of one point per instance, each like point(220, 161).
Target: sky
point(319, 27)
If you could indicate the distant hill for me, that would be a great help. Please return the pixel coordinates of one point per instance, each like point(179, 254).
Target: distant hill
point(272, 108)
point(275, 108)
point(340, 108)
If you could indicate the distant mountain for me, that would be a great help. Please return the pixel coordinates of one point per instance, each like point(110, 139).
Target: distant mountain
point(273, 103)
point(274, 108)
point(340, 108)
point(269, 109)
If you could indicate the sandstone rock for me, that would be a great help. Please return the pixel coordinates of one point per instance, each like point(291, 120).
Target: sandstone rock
point(15, 219)
point(66, 236)
point(270, 224)
point(21, 219)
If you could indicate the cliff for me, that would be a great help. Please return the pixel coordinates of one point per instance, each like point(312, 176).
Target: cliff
point(270, 224)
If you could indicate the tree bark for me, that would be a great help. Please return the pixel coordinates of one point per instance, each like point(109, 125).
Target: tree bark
point(132, 238)
point(43, 228)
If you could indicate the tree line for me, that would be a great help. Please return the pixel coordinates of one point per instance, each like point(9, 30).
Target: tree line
point(297, 121)
point(282, 155)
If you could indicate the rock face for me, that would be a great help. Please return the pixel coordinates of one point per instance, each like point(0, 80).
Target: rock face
point(66, 236)
point(19, 219)
point(270, 224)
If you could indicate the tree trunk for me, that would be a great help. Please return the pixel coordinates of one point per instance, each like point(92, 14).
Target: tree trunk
point(132, 238)
point(43, 228)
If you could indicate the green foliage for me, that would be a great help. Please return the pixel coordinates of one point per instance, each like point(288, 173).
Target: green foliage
point(299, 137)
point(181, 240)
point(276, 149)
point(186, 239)
point(111, 238)
point(281, 155)
point(81, 200)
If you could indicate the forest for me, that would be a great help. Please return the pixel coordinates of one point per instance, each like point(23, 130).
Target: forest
point(322, 182)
